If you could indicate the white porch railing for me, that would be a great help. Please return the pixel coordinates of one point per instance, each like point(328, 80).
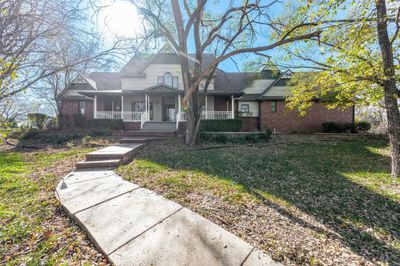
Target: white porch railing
point(126, 116)
point(216, 115)
point(107, 115)
point(132, 116)
point(212, 115)
point(142, 117)
point(145, 116)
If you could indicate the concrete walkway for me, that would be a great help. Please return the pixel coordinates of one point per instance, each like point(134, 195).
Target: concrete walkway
point(131, 225)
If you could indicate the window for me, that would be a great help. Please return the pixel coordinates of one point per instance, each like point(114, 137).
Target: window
point(175, 82)
point(245, 108)
point(274, 107)
point(168, 79)
point(138, 106)
point(82, 107)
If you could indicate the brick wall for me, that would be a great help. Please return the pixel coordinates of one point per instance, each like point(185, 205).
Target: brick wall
point(220, 103)
point(69, 108)
point(131, 125)
point(284, 120)
point(249, 124)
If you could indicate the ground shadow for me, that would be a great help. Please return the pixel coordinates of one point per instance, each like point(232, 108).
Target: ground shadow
point(315, 179)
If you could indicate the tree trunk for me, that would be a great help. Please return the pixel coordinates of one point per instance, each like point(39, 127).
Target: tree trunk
point(192, 120)
point(389, 86)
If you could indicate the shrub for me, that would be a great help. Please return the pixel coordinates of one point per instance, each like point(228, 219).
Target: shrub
point(238, 139)
point(363, 126)
point(38, 120)
point(229, 125)
point(113, 124)
point(86, 139)
point(28, 133)
point(332, 127)
point(250, 137)
point(266, 135)
point(221, 138)
point(98, 132)
point(80, 120)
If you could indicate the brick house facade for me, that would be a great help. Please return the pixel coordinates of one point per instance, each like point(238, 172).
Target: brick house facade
point(149, 90)
point(285, 120)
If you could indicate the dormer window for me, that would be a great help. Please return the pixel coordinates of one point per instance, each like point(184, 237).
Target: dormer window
point(169, 80)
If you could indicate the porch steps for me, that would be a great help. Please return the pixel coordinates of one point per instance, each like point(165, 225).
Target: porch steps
point(140, 139)
point(98, 164)
point(159, 126)
point(109, 157)
point(147, 134)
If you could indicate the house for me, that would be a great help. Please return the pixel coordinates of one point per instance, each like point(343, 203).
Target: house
point(149, 89)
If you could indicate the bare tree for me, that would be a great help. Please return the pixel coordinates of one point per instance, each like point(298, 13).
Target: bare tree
point(72, 58)
point(238, 29)
point(29, 32)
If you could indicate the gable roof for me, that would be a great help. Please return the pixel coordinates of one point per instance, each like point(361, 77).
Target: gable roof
point(281, 76)
point(138, 63)
point(106, 80)
point(232, 81)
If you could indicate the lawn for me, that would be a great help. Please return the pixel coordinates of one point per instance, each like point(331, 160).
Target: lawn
point(303, 203)
point(34, 230)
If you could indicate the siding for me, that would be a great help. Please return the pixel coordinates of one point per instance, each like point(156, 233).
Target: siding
point(153, 71)
point(253, 108)
point(258, 86)
point(278, 91)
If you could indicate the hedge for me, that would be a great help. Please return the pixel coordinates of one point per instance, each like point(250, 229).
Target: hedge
point(229, 125)
point(113, 124)
point(254, 137)
point(333, 127)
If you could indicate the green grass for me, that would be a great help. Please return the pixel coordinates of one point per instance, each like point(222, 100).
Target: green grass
point(27, 204)
point(345, 188)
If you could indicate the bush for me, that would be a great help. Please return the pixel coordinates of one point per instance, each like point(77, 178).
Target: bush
point(38, 120)
point(238, 139)
point(99, 132)
point(332, 127)
point(220, 138)
point(80, 120)
point(229, 125)
point(113, 124)
point(363, 126)
point(28, 133)
point(266, 135)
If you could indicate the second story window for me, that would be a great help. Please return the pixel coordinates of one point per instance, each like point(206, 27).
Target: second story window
point(169, 80)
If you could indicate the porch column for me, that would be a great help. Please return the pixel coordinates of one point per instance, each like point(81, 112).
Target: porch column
point(233, 107)
point(206, 111)
point(179, 103)
point(95, 107)
point(145, 103)
point(112, 109)
point(122, 106)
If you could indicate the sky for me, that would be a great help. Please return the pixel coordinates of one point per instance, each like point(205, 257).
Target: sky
point(119, 18)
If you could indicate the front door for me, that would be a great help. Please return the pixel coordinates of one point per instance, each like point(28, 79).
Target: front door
point(169, 112)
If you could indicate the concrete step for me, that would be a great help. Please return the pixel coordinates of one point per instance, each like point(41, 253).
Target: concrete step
point(159, 126)
point(119, 151)
point(140, 139)
point(98, 164)
point(142, 133)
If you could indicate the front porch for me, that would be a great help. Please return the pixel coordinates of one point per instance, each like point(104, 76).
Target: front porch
point(160, 107)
